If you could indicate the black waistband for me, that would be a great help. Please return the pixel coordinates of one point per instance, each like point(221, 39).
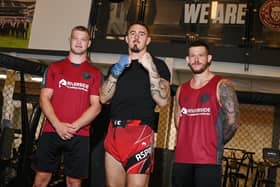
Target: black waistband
point(123, 123)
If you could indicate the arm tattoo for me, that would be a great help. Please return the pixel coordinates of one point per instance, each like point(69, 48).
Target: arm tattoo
point(159, 87)
point(230, 106)
point(108, 86)
point(107, 90)
point(154, 73)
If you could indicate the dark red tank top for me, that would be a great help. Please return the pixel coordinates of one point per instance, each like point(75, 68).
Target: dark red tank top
point(200, 139)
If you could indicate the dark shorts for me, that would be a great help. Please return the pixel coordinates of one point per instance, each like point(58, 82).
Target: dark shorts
point(74, 152)
point(132, 145)
point(199, 175)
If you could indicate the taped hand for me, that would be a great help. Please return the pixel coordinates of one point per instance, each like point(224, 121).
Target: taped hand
point(119, 67)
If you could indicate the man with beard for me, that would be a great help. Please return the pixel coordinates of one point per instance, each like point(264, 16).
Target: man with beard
point(134, 86)
point(207, 117)
point(70, 101)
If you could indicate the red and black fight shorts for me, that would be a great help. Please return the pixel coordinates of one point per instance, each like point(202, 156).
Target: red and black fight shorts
point(131, 143)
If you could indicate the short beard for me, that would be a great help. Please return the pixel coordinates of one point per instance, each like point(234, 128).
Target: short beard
point(135, 49)
point(200, 70)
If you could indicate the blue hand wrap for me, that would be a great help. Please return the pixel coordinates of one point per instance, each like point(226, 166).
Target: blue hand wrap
point(119, 67)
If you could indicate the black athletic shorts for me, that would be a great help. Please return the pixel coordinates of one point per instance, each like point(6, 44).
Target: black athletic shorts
point(198, 175)
point(74, 152)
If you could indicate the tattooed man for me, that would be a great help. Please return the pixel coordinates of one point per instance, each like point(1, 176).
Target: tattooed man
point(206, 117)
point(135, 85)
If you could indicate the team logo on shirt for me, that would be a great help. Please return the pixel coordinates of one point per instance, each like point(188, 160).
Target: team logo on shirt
point(86, 75)
point(73, 85)
point(62, 83)
point(204, 98)
point(206, 111)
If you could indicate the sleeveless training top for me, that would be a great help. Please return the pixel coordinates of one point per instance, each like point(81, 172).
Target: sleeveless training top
point(200, 139)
